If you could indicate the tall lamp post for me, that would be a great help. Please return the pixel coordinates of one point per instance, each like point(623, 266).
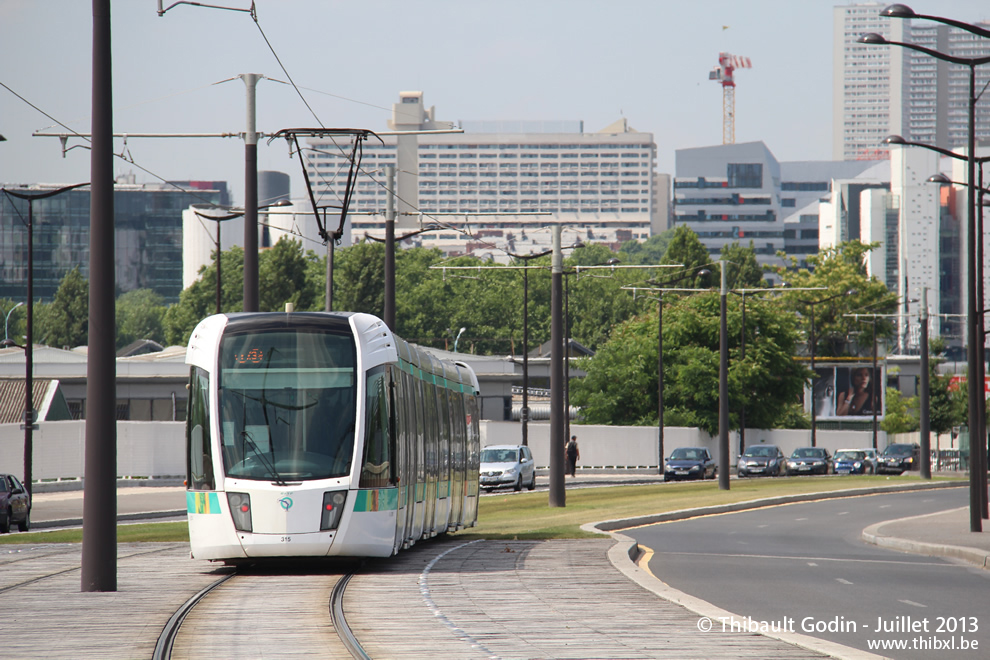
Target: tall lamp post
point(6, 322)
point(29, 412)
point(974, 332)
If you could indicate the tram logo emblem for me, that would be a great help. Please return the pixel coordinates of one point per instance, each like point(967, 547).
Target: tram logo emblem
point(285, 503)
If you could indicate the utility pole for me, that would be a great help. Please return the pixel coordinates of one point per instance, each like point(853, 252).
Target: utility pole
point(390, 247)
point(723, 383)
point(99, 549)
point(557, 491)
point(250, 197)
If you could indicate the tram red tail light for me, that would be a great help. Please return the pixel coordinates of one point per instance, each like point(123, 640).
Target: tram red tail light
point(240, 511)
point(333, 509)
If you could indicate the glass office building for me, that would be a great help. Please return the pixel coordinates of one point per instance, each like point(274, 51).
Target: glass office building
point(147, 236)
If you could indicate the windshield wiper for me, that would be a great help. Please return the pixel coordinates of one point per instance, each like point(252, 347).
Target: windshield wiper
point(264, 459)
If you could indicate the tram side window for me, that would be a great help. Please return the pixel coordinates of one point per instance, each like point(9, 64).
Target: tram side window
point(199, 461)
point(376, 465)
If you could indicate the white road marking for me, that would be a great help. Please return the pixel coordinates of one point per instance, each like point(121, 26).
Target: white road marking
point(811, 563)
point(910, 602)
point(843, 581)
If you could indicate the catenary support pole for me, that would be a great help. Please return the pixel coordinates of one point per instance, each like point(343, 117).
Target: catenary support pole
point(390, 247)
point(925, 403)
point(723, 383)
point(557, 439)
point(99, 548)
point(251, 197)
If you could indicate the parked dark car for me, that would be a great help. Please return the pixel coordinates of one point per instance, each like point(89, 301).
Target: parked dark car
point(851, 461)
point(689, 463)
point(15, 504)
point(898, 458)
point(809, 460)
point(761, 459)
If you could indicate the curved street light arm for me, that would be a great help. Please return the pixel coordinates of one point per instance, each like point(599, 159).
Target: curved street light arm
point(903, 11)
point(874, 39)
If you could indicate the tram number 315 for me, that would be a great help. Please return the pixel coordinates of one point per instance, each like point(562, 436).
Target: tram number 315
point(285, 539)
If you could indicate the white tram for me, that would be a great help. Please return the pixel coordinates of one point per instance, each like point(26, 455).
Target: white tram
point(323, 434)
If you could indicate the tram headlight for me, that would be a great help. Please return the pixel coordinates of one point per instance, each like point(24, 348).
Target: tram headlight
point(333, 509)
point(240, 510)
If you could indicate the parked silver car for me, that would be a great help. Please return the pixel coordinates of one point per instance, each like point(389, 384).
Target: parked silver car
point(507, 465)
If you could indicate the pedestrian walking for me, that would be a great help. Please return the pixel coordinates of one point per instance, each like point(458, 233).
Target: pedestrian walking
point(573, 454)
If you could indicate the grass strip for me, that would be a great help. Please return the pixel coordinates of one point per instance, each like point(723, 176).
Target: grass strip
point(529, 516)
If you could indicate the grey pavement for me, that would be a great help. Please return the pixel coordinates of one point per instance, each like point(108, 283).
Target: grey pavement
point(594, 581)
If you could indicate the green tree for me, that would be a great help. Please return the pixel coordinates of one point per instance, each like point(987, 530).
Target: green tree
point(198, 301)
point(621, 385)
point(284, 275)
point(947, 408)
point(744, 272)
point(900, 415)
point(65, 321)
point(686, 248)
point(139, 316)
point(838, 271)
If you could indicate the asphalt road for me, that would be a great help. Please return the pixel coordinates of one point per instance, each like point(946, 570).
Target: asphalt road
point(804, 566)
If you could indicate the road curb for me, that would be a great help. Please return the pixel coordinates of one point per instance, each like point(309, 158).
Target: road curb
point(626, 552)
point(970, 555)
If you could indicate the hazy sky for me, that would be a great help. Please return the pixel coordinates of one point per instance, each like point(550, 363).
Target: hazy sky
point(590, 60)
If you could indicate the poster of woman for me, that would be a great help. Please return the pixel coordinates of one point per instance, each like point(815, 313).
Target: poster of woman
point(857, 388)
point(848, 390)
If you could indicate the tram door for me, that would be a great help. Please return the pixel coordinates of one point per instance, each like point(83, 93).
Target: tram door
point(407, 441)
point(443, 483)
point(432, 446)
point(455, 416)
point(419, 492)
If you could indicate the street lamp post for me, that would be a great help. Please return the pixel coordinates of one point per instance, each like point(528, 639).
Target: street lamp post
point(723, 382)
point(925, 395)
point(974, 324)
point(6, 321)
point(29, 412)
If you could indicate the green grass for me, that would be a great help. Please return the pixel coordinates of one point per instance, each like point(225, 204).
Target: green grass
point(529, 516)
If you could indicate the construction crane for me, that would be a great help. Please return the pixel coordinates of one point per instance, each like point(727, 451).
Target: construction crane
point(727, 64)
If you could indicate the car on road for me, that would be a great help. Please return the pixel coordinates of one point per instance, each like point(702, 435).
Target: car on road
point(15, 504)
point(872, 457)
point(689, 463)
point(507, 465)
point(761, 459)
point(899, 457)
point(851, 461)
point(809, 460)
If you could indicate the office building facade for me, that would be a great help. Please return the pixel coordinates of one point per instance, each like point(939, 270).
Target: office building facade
point(496, 186)
point(147, 236)
point(879, 91)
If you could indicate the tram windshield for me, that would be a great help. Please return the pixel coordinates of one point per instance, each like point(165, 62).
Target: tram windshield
point(287, 404)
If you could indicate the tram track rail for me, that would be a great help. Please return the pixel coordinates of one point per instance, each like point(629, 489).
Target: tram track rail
point(166, 643)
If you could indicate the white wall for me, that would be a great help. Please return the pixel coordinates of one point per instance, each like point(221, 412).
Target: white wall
point(156, 449)
point(636, 446)
point(144, 449)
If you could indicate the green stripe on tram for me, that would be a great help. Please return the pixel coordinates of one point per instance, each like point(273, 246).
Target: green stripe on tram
point(202, 502)
point(376, 499)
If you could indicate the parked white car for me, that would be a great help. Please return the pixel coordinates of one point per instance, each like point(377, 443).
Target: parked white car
point(507, 465)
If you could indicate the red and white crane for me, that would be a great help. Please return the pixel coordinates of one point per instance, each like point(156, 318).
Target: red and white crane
point(727, 64)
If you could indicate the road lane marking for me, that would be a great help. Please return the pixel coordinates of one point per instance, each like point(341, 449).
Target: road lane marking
point(794, 557)
point(843, 581)
point(910, 602)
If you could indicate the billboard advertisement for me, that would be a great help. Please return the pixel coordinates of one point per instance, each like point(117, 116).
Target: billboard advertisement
point(849, 391)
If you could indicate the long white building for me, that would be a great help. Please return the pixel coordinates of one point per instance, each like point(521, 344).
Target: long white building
point(498, 185)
